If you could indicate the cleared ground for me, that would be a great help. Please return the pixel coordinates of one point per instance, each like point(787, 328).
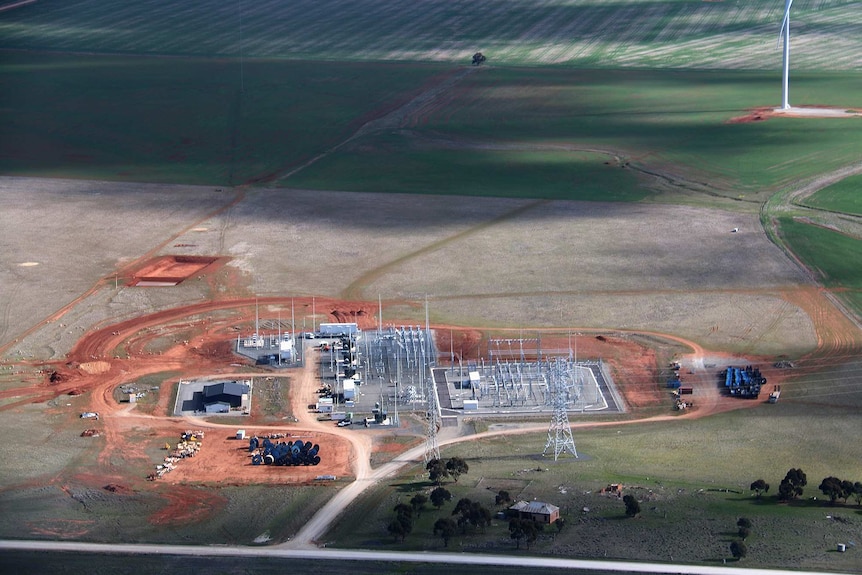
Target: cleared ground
point(672, 269)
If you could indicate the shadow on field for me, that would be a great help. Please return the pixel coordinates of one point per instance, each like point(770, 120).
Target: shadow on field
point(545, 459)
point(416, 486)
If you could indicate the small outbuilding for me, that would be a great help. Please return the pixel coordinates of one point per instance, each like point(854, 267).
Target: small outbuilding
point(324, 405)
point(338, 329)
point(217, 407)
point(349, 386)
point(537, 511)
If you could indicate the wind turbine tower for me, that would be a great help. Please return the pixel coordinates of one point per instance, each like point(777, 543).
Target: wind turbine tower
point(785, 78)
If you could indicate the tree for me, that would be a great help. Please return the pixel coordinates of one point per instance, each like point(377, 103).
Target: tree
point(785, 491)
point(523, 529)
point(744, 522)
point(560, 523)
point(445, 528)
point(472, 513)
point(403, 509)
point(857, 492)
point(417, 502)
point(832, 488)
point(760, 486)
point(633, 508)
point(402, 525)
point(478, 58)
point(457, 467)
point(436, 471)
point(439, 496)
point(744, 532)
point(502, 498)
point(480, 516)
point(531, 529)
point(462, 506)
point(848, 489)
point(792, 484)
point(516, 531)
point(738, 549)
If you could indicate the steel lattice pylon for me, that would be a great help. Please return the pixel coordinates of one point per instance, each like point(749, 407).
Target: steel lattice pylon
point(432, 448)
point(560, 431)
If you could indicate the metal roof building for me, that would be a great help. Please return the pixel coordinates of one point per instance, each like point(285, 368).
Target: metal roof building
point(537, 511)
point(229, 392)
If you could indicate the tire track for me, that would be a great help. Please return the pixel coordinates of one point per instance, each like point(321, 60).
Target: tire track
point(390, 121)
point(786, 201)
point(354, 291)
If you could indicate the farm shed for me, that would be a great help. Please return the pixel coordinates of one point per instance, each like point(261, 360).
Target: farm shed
point(538, 511)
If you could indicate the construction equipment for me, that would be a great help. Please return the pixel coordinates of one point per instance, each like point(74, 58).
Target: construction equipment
point(776, 393)
point(284, 453)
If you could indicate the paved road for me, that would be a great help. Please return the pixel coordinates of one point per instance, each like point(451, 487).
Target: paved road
point(524, 561)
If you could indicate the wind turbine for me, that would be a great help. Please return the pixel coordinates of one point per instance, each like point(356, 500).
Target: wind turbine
point(785, 32)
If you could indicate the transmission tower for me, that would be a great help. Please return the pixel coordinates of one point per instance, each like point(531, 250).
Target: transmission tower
point(560, 431)
point(432, 448)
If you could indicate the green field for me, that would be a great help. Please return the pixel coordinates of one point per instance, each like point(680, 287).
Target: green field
point(691, 477)
point(833, 256)
point(844, 196)
point(505, 128)
point(392, 164)
point(183, 120)
point(504, 132)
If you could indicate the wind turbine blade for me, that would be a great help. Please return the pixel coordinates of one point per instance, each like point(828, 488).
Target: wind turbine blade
point(785, 22)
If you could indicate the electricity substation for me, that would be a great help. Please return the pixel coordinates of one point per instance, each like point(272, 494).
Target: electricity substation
point(396, 369)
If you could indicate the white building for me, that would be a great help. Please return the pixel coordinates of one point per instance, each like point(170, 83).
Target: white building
point(334, 329)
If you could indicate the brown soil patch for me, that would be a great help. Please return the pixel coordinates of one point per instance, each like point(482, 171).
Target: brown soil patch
point(754, 115)
point(187, 505)
point(224, 459)
point(458, 342)
point(814, 111)
point(93, 367)
point(633, 366)
point(59, 528)
point(171, 270)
